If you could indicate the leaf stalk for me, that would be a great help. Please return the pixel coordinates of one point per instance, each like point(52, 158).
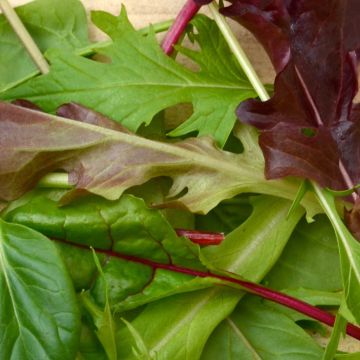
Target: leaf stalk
point(253, 288)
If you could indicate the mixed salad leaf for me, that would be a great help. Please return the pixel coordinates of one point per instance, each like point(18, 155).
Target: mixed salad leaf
point(97, 187)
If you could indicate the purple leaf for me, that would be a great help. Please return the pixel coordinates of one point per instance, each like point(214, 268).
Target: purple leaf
point(269, 22)
point(309, 127)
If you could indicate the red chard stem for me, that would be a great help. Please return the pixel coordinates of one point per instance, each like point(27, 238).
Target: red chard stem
point(188, 11)
point(202, 237)
point(256, 289)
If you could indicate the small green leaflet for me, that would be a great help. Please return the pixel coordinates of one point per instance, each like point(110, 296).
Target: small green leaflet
point(51, 25)
point(134, 91)
point(39, 315)
point(102, 318)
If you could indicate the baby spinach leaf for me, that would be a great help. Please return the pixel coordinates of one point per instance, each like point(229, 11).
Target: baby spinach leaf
point(39, 315)
point(251, 332)
point(51, 25)
point(106, 161)
point(179, 326)
point(133, 92)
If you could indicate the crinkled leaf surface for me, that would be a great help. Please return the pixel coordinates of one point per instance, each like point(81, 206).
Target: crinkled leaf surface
point(179, 326)
point(126, 227)
point(251, 332)
point(108, 161)
point(133, 92)
point(39, 316)
point(51, 25)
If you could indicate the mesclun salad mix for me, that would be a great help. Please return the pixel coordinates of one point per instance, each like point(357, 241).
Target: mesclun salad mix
point(126, 236)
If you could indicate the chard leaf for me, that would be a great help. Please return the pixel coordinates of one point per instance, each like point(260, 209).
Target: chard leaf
point(51, 25)
point(106, 161)
point(126, 226)
point(179, 326)
point(308, 128)
point(133, 92)
point(251, 332)
point(39, 312)
point(310, 259)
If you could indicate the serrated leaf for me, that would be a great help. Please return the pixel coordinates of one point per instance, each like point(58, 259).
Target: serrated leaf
point(133, 92)
point(39, 316)
point(51, 25)
point(108, 161)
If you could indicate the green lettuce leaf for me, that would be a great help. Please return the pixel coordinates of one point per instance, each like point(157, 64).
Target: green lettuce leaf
point(51, 25)
point(39, 316)
point(133, 92)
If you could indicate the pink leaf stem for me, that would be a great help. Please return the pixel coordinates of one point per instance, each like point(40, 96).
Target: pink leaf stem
point(188, 11)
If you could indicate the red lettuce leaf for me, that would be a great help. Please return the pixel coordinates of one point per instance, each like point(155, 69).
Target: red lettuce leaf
point(309, 127)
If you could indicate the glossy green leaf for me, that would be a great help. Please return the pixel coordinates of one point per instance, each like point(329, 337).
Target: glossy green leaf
point(133, 92)
point(126, 226)
point(39, 316)
point(179, 326)
point(256, 331)
point(51, 25)
point(310, 259)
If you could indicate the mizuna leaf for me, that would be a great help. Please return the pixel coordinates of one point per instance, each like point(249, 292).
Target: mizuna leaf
point(51, 25)
point(179, 326)
point(107, 162)
point(133, 92)
point(251, 332)
point(308, 128)
point(39, 316)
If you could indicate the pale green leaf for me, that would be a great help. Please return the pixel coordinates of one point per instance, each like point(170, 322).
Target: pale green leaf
point(256, 331)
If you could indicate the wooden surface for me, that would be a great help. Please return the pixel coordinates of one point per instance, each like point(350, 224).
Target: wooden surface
point(143, 12)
